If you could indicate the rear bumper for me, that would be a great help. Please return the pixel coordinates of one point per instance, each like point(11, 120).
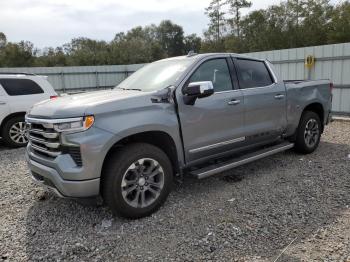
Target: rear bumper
point(50, 179)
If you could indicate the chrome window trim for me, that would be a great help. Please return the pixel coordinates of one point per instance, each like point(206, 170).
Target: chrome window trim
point(228, 142)
point(252, 88)
point(227, 91)
point(272, 72)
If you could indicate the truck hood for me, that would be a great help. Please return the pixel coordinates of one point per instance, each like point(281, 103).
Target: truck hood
point(78, 105)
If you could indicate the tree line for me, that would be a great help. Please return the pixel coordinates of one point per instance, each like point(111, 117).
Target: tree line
point(290, 24)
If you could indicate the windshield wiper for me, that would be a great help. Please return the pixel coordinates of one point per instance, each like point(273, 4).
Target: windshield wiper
point(136, 89)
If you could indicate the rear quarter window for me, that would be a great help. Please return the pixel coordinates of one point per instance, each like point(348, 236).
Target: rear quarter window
point(253, 73)
point(20, 87)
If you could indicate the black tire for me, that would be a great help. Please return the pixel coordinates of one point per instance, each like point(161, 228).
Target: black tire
point(6, 136)
point(308, 118)
point(118, 167)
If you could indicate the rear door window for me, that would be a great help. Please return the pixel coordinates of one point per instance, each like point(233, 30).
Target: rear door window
point(253, 73)
point(20, 87)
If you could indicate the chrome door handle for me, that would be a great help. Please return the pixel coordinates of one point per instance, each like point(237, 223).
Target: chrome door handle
point(234, 102)
point(279, 96)
point(2, 103)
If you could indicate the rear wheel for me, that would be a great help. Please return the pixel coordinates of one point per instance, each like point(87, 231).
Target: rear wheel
point(137, 180)
point(308, 133)
point(14, 132)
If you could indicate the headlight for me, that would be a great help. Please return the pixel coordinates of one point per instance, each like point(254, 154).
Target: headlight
point(76, 125)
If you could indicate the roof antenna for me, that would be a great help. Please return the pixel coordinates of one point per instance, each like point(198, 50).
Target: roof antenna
point(191, 53)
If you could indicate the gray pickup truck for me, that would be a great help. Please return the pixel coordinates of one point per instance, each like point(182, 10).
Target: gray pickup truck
point(197, 115)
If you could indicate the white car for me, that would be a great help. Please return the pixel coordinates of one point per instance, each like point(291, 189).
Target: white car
point(18, 93)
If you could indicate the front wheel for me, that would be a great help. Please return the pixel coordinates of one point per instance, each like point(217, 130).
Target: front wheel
point(308, 133)
point(137, 180)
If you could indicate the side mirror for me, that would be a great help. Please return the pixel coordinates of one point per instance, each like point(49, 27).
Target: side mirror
point(196, 90)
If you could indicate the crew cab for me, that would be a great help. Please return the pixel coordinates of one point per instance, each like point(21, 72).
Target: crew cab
point(197, 115)
point(18, 93)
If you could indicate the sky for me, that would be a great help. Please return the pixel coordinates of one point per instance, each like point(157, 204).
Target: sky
point(55, 22)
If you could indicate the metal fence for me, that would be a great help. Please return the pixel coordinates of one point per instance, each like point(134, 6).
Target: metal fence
point(331, 62)
point(80, 78)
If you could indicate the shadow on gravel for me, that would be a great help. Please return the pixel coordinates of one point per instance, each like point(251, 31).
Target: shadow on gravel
point(256, 211)
point(2, 146)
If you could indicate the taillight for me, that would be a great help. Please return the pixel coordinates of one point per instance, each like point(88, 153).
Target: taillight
point(53, 97)
point(331, 86)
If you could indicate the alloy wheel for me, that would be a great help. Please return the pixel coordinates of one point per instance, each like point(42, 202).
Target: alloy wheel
point(312, 133)
point(142, 183)
point(17, 133)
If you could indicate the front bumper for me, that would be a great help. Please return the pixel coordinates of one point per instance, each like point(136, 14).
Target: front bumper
point(62, 175)
point(50, 179)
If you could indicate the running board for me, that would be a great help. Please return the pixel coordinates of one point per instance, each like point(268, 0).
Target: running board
point(241, 160)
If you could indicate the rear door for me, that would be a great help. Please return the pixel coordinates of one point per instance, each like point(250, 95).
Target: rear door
point(213, 124)
point(264, 100)
point(4, 107)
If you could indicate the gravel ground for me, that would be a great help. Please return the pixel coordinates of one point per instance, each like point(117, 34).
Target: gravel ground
point(288, 207)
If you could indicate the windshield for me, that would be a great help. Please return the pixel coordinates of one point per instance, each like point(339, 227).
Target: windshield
point(157, 75)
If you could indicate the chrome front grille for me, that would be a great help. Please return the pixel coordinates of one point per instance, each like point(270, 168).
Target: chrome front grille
point(43, 139)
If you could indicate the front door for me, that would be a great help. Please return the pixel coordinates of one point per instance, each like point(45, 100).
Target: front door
point(213, 124)
point(264, 101)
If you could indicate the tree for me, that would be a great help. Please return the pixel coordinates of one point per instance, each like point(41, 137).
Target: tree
point(295, 23)
point(235, 10)
point(147, 44)
point(255, 33)
point(3, 43)
point(17, 55)
point(289, 24)
point(139, 45)
point(265, 30)
point(316, 15)
point(85, 51)
point(340, 24)
point(217, 20)
point(51, 57)
point(171, 38)
point(3, 40)
point(192, 43)
point(136, 47)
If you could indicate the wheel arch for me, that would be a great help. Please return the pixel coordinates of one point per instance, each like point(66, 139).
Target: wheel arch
point(160, 139)
point(317, 108)
point(10, 116)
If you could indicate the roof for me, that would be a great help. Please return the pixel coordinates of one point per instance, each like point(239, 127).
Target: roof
point(200, 56)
